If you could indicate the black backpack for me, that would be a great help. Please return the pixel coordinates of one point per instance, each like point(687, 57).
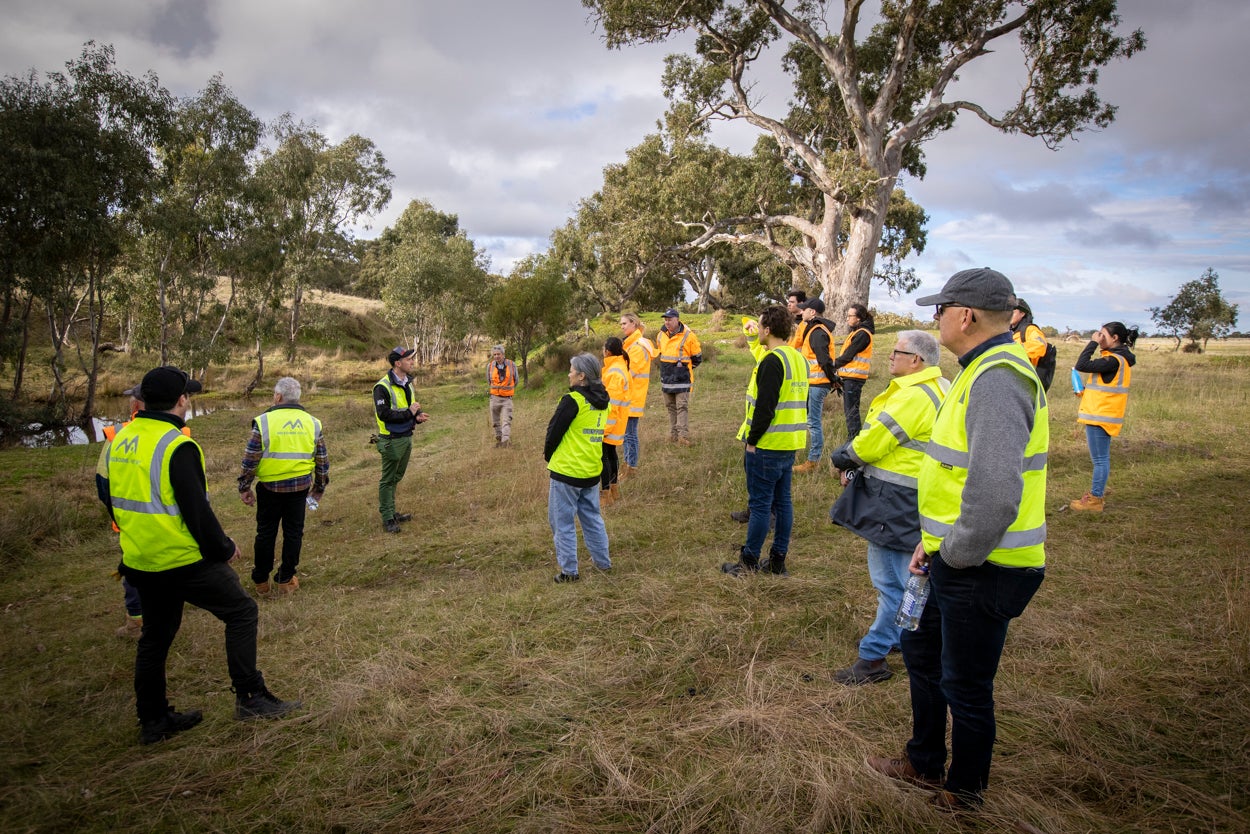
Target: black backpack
point(1046, 366)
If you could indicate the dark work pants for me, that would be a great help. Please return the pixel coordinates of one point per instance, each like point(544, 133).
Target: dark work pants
point(952, 659)
point(851, 389)
point(272, 508)
point(212, 586)
point(611, 466)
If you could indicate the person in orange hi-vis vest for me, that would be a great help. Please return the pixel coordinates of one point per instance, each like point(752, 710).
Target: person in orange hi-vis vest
point(1103, 402)
point(501, 378)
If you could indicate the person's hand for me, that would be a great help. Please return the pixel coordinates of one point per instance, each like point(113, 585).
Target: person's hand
point(422, 417)
point(236, 555)
point(750, 449)
point(919, 559)
point(317, 496)
point(843, 478)
point(751, 328)
point(415, 407)
point(248, 497)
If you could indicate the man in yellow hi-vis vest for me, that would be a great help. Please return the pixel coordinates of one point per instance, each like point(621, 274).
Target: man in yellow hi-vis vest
point(982, 500)
point(174, 552)
point(286, 455)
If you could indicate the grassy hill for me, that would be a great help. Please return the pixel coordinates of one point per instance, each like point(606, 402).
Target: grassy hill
point(450, 686)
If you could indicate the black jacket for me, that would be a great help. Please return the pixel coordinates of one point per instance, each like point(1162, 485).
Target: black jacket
point(597, 396)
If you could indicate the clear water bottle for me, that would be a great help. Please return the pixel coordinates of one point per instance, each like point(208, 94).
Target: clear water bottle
point(915, 595)
point(313, 503)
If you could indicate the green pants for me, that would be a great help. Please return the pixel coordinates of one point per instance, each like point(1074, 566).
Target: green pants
point(395, 452)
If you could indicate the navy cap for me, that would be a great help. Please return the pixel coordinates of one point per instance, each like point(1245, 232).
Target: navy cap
point(161, 387)
point(671, 313)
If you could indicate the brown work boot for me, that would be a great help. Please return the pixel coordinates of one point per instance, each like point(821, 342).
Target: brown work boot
point(954, 803)
point(615, 489)
point(805, 466)
point(625, 471)
point(606, 498)
point(902, 770)
point(684, 441)
point(289, 587)
point(1087, 503)
point(263, 588)
point(133, 627)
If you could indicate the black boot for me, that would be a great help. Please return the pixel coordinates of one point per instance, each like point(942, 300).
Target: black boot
point(775, 564)
point(747, 565)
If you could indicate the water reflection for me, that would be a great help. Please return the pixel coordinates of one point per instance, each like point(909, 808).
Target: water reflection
point(35, 436)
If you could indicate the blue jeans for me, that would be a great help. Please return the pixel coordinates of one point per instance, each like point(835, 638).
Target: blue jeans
point(888, 571)
point(1100, 453)
point(815, 421)
point(951, 662)
point(565, 504)
point(851, 389)
point(768, 494)
point(630, 446)
point(134, 607)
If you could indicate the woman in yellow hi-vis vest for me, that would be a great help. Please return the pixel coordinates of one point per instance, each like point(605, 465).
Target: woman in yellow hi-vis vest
point(1103, 402)
point(574, 455)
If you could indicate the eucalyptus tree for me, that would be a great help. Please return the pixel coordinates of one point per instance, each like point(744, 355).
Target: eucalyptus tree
point(317, 192)
point(76, 160)
point(862, 103)
point(432, 280)
point(1198, 312)
point(530, 306)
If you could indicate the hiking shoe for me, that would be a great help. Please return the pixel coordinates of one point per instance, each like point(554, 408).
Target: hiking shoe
point(684, 441)
point(864, 671)
point(567, 577)
point(171, 723)
point(805, 466)
point(741, 516)
point(289, 587)
point(739, 568)
point(955, 803)
point(391, 525)
point(403, 516)
point(263, 588)
point(1087, 503)
point(774, 564)
point(902, 770)
point(262, 704)
point(132, 629)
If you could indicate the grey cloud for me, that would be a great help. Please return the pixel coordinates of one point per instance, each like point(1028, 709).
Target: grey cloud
point(1212, 200)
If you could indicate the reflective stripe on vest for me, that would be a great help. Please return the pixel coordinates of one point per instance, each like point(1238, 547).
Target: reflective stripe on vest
point(616, 380)
point(639, 372)
point(154, 536)
point(788, 430)
point(399, 400)
point(580, 453)
point(897, 428)
point(815, 373)
point(502, 385)
point(288, 443)
point(858, 367)
point(944, 471)
point(1104, 404)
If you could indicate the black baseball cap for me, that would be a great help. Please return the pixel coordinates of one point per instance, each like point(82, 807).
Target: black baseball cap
point(398, 353)
point(981, 288)
point(161, 387)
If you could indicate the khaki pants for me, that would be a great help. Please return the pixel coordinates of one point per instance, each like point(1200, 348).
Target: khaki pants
point(501, 417)
point(678, 405)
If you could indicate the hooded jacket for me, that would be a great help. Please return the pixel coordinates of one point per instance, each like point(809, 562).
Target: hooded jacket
point(566, 410)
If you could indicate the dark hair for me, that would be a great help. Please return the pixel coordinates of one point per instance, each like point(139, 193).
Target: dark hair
point(1126, 335)
point(613, 346)
point(862, 312)
point(778, 321)
point(799, 295)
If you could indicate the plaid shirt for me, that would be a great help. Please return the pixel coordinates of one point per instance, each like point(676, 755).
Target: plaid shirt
point(317, 481)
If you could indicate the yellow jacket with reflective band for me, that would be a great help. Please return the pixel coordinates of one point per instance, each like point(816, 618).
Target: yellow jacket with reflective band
point(891, 445)
point(154, 536)
point(616, 380)
point(399, 400)
point(1103, 404)
point(944, 470)
point(815, 373)
point(788, 430)
point(1033, 340)
point(501, 384)
point(102, 464)
point(580, 453)
point(640, 356)
point(288, 441)
point(677, 349)
point(858, 367)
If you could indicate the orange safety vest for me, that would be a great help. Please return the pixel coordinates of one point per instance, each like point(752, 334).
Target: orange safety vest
point(1033, 340)
point(815, 373)
point(616, 380)
point(501, 385)
point(1103, 404)
point(641, 352)
point(857, 368)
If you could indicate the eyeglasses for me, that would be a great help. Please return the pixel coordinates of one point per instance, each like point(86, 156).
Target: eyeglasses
point(895, 353)
point(942, 308)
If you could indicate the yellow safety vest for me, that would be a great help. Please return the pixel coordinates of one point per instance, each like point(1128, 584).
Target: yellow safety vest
point(1102, 404)
point(580, 453)
point(944, 471)
point(815, 373)
point(616, 380)
point(399, 400)
point(891, 446)
point(288, 443)
point(153, 535)
point(858, 367)
point(788, 430)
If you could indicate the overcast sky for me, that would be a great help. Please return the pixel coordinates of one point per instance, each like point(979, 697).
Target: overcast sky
point(505, 112)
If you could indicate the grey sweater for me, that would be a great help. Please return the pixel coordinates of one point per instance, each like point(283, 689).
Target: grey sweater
point(999, 422)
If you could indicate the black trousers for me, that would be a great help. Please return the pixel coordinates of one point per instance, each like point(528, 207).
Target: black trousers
point(212, 586)
point(272, 509)
point(611, 466)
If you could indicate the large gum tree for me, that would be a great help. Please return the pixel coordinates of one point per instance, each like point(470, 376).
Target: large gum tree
point(863, 103)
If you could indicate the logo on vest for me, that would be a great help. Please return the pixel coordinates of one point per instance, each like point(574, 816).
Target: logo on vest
point(130, 445)
point(297, 423)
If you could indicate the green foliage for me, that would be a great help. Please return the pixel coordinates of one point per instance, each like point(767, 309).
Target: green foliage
point(1198, 312)
point(530, 307)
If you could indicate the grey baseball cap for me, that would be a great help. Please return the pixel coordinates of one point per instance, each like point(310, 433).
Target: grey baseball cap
point(981, 288)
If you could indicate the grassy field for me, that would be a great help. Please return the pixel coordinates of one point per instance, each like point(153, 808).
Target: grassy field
point(450, 686)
